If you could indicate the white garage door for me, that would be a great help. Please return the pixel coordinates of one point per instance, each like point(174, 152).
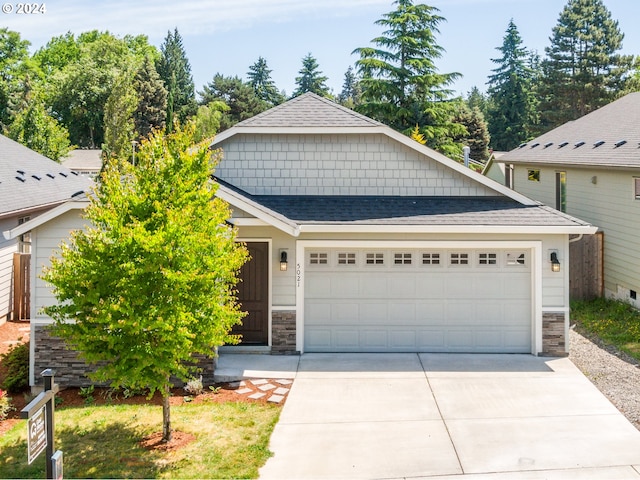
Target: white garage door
point(418, 300)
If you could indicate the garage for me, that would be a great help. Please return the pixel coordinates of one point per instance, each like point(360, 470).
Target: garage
point(418, 300)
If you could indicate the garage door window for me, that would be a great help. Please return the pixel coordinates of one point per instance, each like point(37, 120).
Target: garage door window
point(431, 259)
point(516, 259)
point(346, 258)
point(375, 259)
point(459, 259)
point(318, 259)
point(402, 258)
point(487, 259)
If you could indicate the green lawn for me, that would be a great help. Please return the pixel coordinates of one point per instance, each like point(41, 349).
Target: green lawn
point(612, 321)
point(103, 442)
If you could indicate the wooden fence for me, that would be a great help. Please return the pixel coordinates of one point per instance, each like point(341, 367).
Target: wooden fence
point(21, 286)
point(586, 267)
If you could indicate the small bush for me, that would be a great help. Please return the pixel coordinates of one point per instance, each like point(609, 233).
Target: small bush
point(194, 386)
point(16, 363)
point(5, 405)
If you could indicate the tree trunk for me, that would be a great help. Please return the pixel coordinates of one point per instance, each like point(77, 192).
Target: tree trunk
point(166, 416)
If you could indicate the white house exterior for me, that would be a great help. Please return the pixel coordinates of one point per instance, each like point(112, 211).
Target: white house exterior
point(590, 168)
point(389, 246)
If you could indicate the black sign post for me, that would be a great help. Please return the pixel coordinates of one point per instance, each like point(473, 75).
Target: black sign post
point(39, 433)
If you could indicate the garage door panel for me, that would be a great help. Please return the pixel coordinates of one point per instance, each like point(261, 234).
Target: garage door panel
point(418, 307)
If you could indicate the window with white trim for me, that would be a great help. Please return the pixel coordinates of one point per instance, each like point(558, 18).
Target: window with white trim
point(374, 259)
point(459, 259)
point(431, 259)
point(636, 187)
point(402, 258)
point(487, 258)
point(346, 258)
point(516, 258)
point(316, 258)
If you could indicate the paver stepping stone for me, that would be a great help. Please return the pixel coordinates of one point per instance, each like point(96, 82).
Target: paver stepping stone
point(284, 381)
point(257, 395)
point(261, 381)
point(266, 387)
point(275, 398)
point(281, 391)
point(242, 391)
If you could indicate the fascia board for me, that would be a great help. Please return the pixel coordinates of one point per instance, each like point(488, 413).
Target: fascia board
point(44, 218)
point(501, 229)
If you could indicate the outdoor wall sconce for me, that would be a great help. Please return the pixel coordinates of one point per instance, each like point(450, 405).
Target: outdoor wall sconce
point(555, 263)
point(283, 260)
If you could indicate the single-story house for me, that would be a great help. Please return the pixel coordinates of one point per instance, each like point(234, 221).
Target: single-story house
point(84, 161)
point(30, 184)
point(590, 168)
point(364, 240)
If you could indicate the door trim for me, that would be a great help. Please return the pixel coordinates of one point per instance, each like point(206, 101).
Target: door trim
point(269, 279)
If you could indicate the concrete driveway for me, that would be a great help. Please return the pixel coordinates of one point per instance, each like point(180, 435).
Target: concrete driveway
point(447, 415)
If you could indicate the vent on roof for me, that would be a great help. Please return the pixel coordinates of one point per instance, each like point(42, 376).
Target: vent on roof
point(36, 177)
point(21, 172)
point(535, 145)
point(620, 143)
point(579, 144)
point(77, 194)
point(598, 143)
point(22, 179)
point(563, 144)
point(50, 175)
point(74, 173)
point(522, 145)
point(548, 144)
point(63, 174)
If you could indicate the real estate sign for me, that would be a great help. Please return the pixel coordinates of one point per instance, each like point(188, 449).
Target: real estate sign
point(37, 434)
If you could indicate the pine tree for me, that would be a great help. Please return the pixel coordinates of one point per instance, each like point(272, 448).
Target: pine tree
point(512, 104)
point(175, 71)
point(151, 111)
point(260, 80)
point(582, 70)
point(350, 94)
point(400, 83)
point(311, 79)
point(477, 135)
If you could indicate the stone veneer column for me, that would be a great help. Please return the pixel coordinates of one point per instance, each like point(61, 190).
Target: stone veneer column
point(553, 334)
point(283, 332)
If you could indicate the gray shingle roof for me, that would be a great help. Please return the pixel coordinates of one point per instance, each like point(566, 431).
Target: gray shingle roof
point(29, 180)
point(386, 210)
point(309, 110)
point(612, 124)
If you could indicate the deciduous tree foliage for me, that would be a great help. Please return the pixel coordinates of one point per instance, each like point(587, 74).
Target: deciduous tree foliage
point(582, 71)
point(311, 78)
point(151, 281)
point(15, 67)
point(400, 83)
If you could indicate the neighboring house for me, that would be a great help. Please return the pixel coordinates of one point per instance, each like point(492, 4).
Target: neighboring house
point(30, 184)
point(590, 168)
point(363, 240)
point(495, 169)
point(85, 162)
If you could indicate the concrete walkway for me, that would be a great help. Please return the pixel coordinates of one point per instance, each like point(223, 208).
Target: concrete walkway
point(443, 416)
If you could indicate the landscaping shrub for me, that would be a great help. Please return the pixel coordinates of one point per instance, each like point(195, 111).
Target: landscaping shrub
point(5, 405)
point(16, 364)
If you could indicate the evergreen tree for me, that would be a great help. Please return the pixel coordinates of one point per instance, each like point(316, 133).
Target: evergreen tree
point(175, 71)
point(477, 134)
point(240, 97)
point(151, 111)
point(350, 94)
point(119, 125)
point(512, 111)
point(582, 70)
point(311, 79)
point(400, 83)
point(260, 80)
point(477, 99)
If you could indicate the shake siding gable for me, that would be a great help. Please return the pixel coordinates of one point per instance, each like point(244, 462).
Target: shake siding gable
point(350, 164)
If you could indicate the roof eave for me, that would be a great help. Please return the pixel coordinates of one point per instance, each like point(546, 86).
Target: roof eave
point(500, 229)
point(45, 217)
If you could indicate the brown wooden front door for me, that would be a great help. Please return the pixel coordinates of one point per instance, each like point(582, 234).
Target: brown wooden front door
point(253, 295)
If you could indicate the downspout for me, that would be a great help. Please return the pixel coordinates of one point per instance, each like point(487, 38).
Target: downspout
point(576, 239)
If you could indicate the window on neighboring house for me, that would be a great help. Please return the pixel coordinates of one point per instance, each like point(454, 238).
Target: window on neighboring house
point(561, 191)
point(533, 175)
point(346, 258)
point(636, 188)
point(24, 242)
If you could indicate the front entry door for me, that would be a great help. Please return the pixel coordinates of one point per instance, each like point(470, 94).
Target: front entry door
point(253, 295)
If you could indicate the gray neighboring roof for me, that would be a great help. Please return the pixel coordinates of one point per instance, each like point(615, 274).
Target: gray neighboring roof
point(309, 110)
point(29, 180)
point(617, 122)
point(388, 210)
point(81, 159)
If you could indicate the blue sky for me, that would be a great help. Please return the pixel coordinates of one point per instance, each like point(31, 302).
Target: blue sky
point(227, 36)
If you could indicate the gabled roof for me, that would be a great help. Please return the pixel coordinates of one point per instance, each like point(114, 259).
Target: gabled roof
point(29, 181)
point(83, 159)
point(607, 137)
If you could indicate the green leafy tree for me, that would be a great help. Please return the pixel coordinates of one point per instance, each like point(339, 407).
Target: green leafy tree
point(239, 96)
point(207, 120)
point(311, 78)
point(59, 52)
point(263, 85)
point(582, 70)
point(151, 282)
point(35, 128)
point(151, 111)
point(400, 83)
point(119, 125)
point(175, 71)
point(350, 94)
point(15, 69)
point(512, 115)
